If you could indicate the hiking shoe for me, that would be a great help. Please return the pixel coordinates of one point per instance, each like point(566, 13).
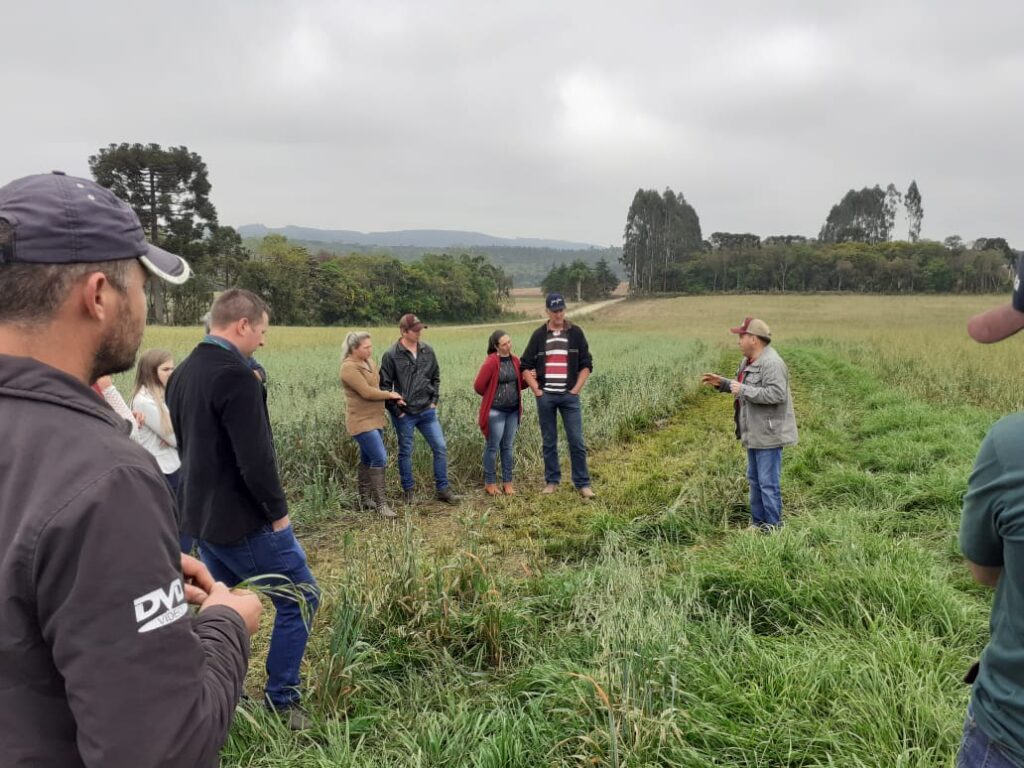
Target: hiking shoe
point(550, 488)
point(587, 492)
point(446, 495)
point(296, 719)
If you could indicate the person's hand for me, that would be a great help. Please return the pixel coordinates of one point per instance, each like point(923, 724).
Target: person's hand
point(575, 392)
point(104, 381)
point(242, 601)
point(140, 417)
point(735, 387)
point(197, 579)
point(395, 396)
point(281, 524)
point(537, 391)
point(433, 405)
point(711, 380)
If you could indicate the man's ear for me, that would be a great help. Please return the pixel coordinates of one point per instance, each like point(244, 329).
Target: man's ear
point(242, 326)
point(96, 296)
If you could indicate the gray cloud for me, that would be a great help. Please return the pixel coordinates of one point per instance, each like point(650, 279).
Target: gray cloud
point(534, 119)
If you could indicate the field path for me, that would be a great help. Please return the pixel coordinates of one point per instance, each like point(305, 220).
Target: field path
point(586, 309)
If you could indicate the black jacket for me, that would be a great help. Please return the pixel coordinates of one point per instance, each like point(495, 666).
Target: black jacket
point(229, 485)
point(101, 663)
point(417, 379)
point(579, 354)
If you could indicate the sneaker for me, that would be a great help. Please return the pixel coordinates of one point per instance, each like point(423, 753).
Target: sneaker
point(491, 489)
point(408, 495)
point(550, 488)
point(587, 492)
point(446, 495)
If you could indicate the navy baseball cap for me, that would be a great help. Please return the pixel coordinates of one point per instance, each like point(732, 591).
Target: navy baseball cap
point(53, 218)
point(555, 302)
point(1003, 321)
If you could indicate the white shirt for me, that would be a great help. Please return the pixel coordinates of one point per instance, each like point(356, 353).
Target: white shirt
point(162, 445)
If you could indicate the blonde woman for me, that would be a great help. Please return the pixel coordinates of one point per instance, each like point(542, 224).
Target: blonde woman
point(365, 419)
point(156, 434)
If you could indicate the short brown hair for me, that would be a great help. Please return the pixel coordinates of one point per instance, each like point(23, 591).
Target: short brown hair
point(32, 293)
point(235, 304)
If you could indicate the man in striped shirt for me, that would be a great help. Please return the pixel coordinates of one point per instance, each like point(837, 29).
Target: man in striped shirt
point(555, 366)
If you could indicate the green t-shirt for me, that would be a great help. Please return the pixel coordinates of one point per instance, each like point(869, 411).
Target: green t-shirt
point(992, 534)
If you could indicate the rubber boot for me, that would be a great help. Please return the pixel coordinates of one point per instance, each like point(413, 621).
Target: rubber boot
point(379, 497)
point(366, 499)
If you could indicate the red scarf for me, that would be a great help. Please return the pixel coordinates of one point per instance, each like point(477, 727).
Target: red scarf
point(486, 385)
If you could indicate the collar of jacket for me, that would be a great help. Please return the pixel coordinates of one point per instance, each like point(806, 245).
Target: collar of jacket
point(26, 378)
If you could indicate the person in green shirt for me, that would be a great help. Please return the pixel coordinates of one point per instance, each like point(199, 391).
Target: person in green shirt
point(992, 541)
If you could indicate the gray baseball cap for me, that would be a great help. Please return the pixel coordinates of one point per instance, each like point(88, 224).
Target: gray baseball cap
point(53, 218)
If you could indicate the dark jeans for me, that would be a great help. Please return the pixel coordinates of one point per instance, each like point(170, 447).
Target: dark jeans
point(278, 553)
point(977, 750)
point(428, 425)
point(371, 448)
point(501, 433)
point(764, 471)
point(549, 405)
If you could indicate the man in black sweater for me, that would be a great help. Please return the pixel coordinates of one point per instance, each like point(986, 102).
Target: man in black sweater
point(556, 364)
point(230, 495)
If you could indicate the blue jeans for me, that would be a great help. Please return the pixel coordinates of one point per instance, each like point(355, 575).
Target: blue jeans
point(371, 448)
point(977, 750)
point(549, 405)
point(764, 471)
point(428, 425)
point(501, 432)
point(278, 553)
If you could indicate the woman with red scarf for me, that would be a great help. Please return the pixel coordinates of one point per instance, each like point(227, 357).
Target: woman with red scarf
point(499, 383)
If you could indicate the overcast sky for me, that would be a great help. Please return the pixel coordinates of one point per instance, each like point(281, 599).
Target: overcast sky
point(534, 119)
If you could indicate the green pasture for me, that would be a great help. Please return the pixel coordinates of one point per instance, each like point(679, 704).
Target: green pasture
point(644, 628)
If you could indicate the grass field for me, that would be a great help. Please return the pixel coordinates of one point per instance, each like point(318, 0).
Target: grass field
point(643, 628)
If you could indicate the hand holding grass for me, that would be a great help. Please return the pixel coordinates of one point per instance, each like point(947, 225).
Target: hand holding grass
point(245, 603)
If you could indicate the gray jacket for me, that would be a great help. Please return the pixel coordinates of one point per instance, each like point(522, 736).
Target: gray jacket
point(101, 661)
point(766, 417)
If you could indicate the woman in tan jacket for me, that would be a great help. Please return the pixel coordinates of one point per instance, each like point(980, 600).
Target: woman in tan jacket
point(365, 419)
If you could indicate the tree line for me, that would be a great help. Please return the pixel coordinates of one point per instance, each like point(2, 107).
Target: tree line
point(580, 281)
point(664, 251)
point(169, 190)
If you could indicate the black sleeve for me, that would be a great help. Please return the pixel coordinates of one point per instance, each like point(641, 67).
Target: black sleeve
point(243, 415)
point(147, 684)
point(435, 379)
point(528, 362)
point(586, 361)
point(388, 381)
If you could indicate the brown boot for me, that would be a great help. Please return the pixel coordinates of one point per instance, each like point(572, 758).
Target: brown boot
point(508, 489)
point(379, 496)
point(491, 489)
point(366, 500)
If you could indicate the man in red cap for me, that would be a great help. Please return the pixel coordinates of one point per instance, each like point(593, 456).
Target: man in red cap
point(992, 541)
point(410, 368)
point(764, 417)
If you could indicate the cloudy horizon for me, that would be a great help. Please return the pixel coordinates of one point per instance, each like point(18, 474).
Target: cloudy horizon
point(534, 120)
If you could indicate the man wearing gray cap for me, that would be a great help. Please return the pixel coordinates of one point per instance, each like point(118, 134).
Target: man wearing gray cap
point(992, 542)
point(765, 421)
point(101, 661)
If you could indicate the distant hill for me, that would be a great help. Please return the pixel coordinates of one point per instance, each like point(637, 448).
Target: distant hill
point(421, 238)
